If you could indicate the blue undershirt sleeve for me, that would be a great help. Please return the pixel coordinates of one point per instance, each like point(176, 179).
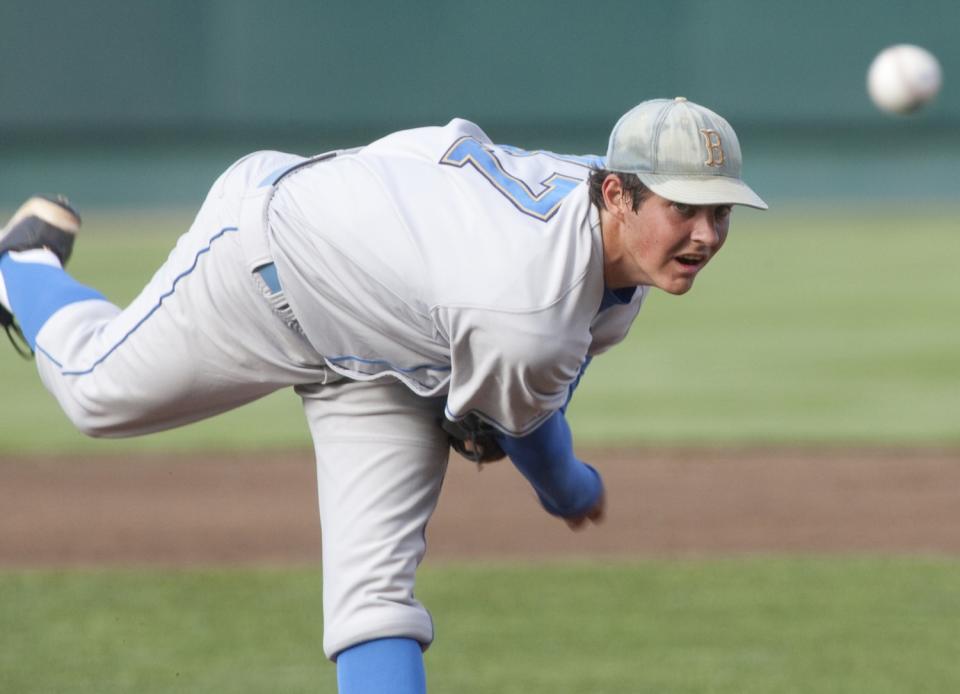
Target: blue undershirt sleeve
point(566, 486)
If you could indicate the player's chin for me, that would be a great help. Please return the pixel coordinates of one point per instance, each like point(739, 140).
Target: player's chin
point(677, 285)
point(678, 279)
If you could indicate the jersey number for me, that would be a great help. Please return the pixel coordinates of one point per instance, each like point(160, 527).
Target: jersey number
point(541, 205)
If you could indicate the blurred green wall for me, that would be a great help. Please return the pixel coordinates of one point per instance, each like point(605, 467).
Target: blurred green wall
point(146, 101)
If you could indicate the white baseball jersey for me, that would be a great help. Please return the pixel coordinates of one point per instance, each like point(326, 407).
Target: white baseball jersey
point(432, 257)
point(455, 265)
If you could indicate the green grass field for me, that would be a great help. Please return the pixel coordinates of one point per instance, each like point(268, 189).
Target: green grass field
point(812, 326)
point(863, 626)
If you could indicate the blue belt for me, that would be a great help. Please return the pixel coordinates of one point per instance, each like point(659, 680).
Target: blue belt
point(268, 273)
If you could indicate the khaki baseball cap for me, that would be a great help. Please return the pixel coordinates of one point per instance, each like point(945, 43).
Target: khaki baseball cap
point(682, 152)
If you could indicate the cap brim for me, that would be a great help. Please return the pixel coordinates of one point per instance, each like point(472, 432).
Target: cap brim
point(702, 190)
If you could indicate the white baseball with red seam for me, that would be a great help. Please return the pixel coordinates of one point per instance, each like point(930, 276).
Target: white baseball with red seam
point(903, 78)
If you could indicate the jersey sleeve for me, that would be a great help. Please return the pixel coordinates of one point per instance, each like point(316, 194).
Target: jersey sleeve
point(513, 370)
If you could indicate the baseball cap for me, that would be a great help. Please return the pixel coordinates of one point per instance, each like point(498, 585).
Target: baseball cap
point(682, 152)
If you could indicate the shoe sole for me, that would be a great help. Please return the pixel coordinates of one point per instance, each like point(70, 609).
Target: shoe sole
point(53, 213)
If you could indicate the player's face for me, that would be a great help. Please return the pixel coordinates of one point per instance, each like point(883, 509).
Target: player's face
point(666, 244)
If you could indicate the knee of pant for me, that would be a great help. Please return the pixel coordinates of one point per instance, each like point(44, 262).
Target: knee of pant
point(99, 417)
point(92, 424)
point(356, 624)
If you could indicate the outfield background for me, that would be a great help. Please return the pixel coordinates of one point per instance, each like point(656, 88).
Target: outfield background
point(142, 104)
point(830, 320)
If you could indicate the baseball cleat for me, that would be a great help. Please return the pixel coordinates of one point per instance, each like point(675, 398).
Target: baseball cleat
point(41, 222)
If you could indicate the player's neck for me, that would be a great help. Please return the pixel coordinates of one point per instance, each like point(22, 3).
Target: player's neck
point(611, 232)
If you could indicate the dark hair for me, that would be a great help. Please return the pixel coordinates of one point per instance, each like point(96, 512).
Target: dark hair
point(630, 182)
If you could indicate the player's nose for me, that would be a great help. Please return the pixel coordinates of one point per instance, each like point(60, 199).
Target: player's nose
point(705, 229)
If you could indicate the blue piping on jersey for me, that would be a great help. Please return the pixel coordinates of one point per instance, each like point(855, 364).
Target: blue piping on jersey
point(563, 408)
point(487, 418)
point(347, 357)
point(143, 320)
point(276, 175)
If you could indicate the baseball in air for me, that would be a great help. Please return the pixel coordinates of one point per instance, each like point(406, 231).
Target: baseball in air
point(903, 78)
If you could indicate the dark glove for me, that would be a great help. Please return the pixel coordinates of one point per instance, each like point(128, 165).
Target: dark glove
point(473, 438)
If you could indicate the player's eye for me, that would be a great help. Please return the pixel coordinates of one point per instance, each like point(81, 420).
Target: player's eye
point(683, 208)
point(722, 212)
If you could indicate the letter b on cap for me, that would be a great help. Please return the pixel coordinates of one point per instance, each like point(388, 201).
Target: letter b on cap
point(711, 140)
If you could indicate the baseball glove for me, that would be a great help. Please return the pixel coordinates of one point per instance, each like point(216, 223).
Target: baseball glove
point(474, 439)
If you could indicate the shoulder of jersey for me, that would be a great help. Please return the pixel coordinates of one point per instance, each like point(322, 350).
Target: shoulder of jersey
point(426, 141)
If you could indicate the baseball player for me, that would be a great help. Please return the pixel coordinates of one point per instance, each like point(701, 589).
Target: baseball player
point(429, 288)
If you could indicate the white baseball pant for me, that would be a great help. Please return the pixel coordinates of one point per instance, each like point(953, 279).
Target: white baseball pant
point(207, 335)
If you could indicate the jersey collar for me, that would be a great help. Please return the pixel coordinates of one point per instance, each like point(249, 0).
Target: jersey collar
point(616, 297)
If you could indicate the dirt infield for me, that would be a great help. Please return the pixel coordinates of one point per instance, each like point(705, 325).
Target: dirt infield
point(229, 510)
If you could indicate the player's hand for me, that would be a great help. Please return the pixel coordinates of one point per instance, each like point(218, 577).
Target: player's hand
point(595, 515)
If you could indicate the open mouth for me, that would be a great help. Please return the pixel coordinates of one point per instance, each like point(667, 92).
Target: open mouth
point(691, 259)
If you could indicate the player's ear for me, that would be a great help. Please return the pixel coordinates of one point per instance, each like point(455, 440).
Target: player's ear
point(615, 198)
